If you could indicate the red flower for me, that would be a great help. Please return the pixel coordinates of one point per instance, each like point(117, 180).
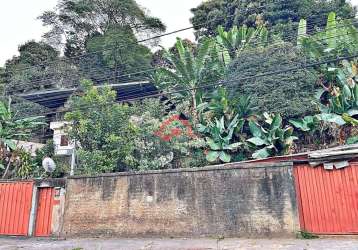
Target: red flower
point(170, 128)
point(166, 138)
point(176, 131)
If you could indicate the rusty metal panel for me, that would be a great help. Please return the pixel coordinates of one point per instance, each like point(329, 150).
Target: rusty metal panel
point(44, 212)
point(327, 199)
point(15, 207)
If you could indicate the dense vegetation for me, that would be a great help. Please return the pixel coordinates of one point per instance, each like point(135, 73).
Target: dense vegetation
point(243, 91)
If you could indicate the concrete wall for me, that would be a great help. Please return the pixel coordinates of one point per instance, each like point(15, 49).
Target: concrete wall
point(233, 200)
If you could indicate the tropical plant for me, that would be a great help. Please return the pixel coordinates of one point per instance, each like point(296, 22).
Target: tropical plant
point(220, 139)
point(13, 129)
point(339, 37)
point(189, 70)
point(222, 103)
point(231, 43)
point(341, 90)
point(271, 138)
point(306, 124)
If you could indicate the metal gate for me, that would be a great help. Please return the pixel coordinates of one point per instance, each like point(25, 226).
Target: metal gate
point(328, 199)
point(44, 212)
point(15, 207)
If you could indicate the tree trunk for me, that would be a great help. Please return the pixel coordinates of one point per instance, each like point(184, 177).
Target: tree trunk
point(7, 168)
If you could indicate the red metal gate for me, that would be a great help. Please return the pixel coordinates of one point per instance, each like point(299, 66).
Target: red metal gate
point(44, 212)
point(15, 207)
point(328, 199)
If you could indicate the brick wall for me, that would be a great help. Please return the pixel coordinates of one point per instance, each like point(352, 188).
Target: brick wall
point(233, 200)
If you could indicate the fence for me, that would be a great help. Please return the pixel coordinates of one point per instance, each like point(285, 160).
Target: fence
point(31, 207)
point(273, 197)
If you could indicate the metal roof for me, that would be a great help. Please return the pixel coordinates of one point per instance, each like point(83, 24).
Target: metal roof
point(56, 98)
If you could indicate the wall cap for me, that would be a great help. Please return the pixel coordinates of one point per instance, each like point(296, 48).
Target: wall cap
point(229, 166)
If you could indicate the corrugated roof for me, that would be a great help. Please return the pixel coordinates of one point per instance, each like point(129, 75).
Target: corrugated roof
point(56, 98)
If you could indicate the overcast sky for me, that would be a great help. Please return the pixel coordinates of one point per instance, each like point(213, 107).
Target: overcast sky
point(19, 24)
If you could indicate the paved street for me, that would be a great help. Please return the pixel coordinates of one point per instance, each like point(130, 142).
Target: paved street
point(179, 244)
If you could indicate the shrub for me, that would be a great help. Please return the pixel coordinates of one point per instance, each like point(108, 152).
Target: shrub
point(102, 129)
point(290, 93)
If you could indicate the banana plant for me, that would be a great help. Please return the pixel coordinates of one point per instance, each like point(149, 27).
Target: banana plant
point(231, 43)
point(337, 37)
point(343, 90)
point(271, 138)
point(12, 129)
point(189, 70)
point(306, 124)
point(220, 139)
point(221, 103)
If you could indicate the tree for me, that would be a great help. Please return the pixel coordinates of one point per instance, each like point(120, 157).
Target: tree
point(102, 130)
point(118, 51)
point(78, 20)
point(279, 16)
point(37, 67)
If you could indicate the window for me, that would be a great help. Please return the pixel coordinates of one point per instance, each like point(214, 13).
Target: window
point(64, 140)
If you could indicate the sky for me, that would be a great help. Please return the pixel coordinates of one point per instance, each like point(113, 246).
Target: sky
point(19, 25)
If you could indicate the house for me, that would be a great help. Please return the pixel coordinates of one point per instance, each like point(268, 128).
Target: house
point(63, 146)
point(56, 100)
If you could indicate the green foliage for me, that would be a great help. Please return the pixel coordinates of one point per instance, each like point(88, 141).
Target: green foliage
point(306, 124)
point(62, 163)
point(79, 20)
point(280, 16)
point(342, 92)
point(189, 70)
point(37, 67)
point(220, 139)
point(222, 103)
point(13, 129)
point(119, 51)
point(234, 41)
point(102, 129)
point(162, 144)
point(307, 235)
point(289, 93)
point(337, 39)
point(271, 138)
point(352, 140)
point(26, 165)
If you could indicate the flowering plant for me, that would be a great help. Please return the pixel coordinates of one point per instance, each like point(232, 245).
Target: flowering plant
point(175, 127)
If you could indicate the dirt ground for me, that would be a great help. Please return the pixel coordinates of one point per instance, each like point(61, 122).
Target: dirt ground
point(179, 244)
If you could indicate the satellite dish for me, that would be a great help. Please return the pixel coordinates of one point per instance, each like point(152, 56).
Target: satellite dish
point(48, 164)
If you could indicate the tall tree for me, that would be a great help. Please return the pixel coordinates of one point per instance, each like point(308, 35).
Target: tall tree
point(77, 20)
point(115, 54)
point(279, 15)
point(38, 66)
